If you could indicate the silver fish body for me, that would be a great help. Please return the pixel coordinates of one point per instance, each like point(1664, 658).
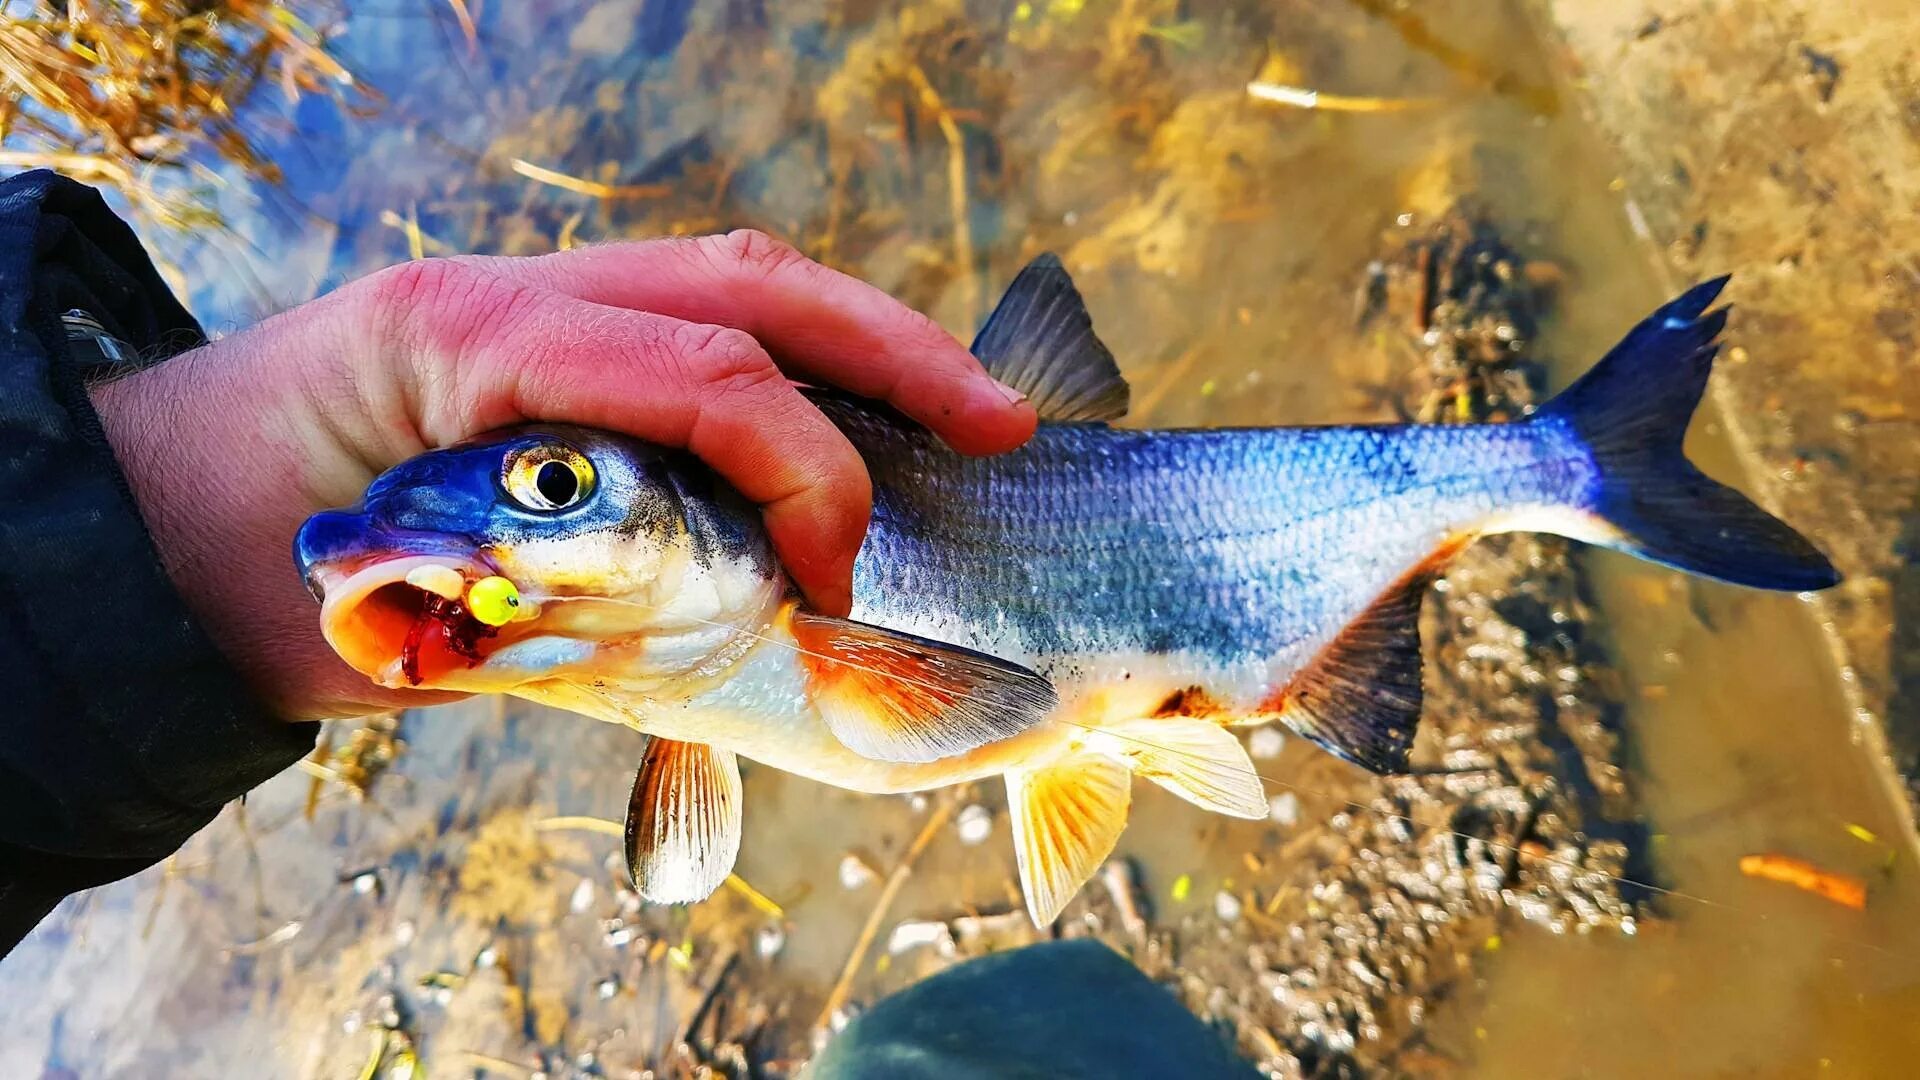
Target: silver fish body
point(1100, 604)
point(1241, 549)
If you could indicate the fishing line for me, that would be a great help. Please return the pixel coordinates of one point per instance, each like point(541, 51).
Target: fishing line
point(1230, 771)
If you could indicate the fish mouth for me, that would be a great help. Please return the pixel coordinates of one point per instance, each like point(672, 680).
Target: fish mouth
point(404, 622)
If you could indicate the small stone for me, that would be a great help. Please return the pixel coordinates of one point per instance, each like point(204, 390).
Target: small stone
point(365, 883)
point(403, 933)
point(1284, 808)
point(855, 873)
point(1266, 742)
point(607, 987)
point(1226, 906)
point(769, 941)
point(582, 896)
point(915, 935)
point(975, 824)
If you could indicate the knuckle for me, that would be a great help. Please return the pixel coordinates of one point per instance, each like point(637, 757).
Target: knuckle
point(417, 282)
point(723, 357)
point(751, 249)
point(446, 305)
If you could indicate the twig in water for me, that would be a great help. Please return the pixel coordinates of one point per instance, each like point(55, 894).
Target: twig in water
point(567, 239)
point(467, 29)
point(699, 1013)
point(418, 242)
point(1301, 98)
point(594, 188)
point(609, 827)
point(895, 881)
point(956, 189)
point(488, 1061)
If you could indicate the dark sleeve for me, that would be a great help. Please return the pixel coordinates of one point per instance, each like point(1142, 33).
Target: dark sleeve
point(123, 729)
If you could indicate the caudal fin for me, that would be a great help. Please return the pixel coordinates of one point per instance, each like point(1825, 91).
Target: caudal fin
point(1631, 410)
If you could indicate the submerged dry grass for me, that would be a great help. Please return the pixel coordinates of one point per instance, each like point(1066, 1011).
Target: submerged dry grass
point(135, 93)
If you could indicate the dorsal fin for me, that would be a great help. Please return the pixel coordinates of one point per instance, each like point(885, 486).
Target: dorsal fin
point(1040, 341)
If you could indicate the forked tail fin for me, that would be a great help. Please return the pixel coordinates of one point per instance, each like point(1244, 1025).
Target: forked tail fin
point(1631, 410)
point(1068, 815)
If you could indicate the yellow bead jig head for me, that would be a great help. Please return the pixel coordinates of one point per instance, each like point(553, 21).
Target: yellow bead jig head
point(494, 601)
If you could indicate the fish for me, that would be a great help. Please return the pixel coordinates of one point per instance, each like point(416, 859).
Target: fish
point(1104, 603)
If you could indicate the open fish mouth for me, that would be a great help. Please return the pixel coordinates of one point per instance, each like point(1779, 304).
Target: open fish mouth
point(410, 621)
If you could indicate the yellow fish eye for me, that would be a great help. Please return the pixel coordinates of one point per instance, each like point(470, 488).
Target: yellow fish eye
point(548, 477)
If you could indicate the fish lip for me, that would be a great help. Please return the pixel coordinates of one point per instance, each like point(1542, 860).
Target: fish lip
point(367, 625)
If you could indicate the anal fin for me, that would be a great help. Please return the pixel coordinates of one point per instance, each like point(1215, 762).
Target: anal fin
point(891, 696)
point(1360, 697)
point(1067, 817)
point(683, 821)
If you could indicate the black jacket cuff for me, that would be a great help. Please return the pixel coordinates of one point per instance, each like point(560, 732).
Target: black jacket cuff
point(125, 729)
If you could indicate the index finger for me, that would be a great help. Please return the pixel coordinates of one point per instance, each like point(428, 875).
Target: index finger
point(822, 326)
point(487, 352)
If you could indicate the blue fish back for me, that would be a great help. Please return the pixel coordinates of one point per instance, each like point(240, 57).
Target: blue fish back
point(1235, 543)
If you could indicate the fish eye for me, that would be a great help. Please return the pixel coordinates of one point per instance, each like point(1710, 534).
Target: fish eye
point(548, 477)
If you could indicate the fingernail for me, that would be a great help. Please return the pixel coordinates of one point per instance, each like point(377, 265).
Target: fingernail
point(1014, 397)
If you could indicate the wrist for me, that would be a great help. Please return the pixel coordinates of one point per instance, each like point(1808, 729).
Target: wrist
point(189, 470)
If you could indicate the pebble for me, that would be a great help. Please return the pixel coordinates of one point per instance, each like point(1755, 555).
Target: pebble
point(1284, 808)
point(1226, 906)
point(1266, 742)
point(769, 941)
point(582, 896)
point(975, 824)
point(855, 873)
point(914, 935)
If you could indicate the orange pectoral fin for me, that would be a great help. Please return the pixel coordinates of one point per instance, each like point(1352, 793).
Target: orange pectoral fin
point(891, 696)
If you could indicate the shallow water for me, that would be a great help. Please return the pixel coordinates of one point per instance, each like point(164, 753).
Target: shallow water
point(1220, 243)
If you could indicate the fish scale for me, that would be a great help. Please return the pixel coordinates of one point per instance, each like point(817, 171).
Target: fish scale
point(1237, 544)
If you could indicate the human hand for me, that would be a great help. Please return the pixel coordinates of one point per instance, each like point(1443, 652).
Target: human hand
point(685, 343)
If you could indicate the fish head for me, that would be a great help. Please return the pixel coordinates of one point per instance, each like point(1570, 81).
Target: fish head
point(539, 553)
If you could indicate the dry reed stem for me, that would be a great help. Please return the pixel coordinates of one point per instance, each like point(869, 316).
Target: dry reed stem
point(594, 188)
point(895, 881)
point(956, 190)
